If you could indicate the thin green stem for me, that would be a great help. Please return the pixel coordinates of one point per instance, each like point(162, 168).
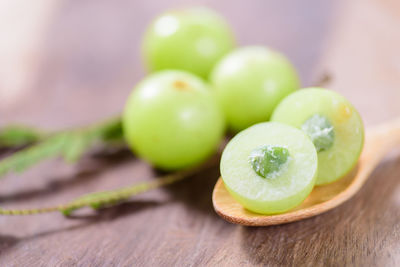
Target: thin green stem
point(100, 199)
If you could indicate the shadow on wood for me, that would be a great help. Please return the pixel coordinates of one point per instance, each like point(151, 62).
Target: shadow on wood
point(195, 192)
point(88, 170)
point(87, 219)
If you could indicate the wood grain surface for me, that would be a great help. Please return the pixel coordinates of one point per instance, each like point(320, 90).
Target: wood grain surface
point(82, 68)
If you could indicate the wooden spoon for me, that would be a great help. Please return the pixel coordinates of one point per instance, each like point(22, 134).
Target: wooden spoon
point(379, 140)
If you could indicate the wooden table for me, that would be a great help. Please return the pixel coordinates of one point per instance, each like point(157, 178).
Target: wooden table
point(82, 66)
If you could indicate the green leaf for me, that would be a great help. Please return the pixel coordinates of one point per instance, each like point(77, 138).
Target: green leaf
point(24, 159)
point(14, 135)
point(71, 145)
point(76, 146)
point(112, 131)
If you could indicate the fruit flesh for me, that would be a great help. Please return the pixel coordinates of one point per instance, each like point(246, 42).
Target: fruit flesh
point(250, 82)
point(192, 39)
point(172, 120)
point(275, 194)
point(341, 156)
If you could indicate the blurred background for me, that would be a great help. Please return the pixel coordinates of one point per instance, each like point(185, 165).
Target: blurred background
point(66, 62)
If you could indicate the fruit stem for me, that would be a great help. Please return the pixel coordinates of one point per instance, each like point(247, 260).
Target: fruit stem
point(100, 199)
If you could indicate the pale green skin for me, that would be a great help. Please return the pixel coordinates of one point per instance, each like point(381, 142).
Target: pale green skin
point(192, 39)
point(341, 157)
point(172, 126)
point(250, 82)
point(269, 195)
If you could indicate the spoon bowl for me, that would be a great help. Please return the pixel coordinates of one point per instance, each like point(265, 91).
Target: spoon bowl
point(379, 140)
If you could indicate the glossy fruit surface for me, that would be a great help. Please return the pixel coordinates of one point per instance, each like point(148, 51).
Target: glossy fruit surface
point(172, 120)
point(332, 123)
point(250, 82)
point(270, 167)
point(191, 39)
